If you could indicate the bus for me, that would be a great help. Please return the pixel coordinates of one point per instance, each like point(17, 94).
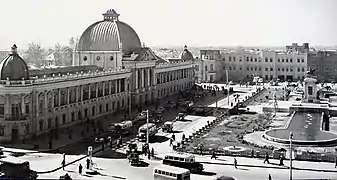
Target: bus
point(183, 161)
point(165, 172)
point(12, 167)
point(143, 130)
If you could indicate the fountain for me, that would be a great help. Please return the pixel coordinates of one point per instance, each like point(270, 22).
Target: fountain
point(309, 120)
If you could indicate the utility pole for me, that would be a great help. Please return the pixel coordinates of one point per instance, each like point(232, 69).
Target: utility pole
point(227, 86)
point(291, 157)
point(147, 126)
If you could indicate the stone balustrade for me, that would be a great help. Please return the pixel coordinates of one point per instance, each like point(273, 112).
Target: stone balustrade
point(59, 77)
point(174, 64)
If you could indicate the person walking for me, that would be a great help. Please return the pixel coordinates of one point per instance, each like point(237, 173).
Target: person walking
point(171, 142)
point(235, 163)
point(183, 137)
point(63, 164)
point(269, 177)
point(80, 169)
point(266, 159)
point(88, 163)
point(213, 155)
point(281, 161)
point(173, 137)
point(152, 152)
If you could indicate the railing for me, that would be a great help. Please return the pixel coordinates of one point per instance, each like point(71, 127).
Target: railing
point(60, 77)
point(173, 64)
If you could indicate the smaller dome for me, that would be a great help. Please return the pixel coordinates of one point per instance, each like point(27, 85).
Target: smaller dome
point(13, 67)
point(186, 54)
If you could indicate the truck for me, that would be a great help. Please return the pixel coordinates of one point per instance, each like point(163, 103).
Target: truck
point(120, 128)
point(142, 131)
point(133, 154)
point(168, 126)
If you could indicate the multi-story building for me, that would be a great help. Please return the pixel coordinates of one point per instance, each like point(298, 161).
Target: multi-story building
point(296, 48)
point(207, 67)
point(324, 63)
point(126, 76)
point(270, 65)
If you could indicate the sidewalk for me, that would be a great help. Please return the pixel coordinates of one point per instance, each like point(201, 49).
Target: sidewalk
point(63, 135)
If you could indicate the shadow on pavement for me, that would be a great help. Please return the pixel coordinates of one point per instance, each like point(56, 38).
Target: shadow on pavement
point(111, 155)
point(160, 139)
point(206, 173)
point(243, 169)
point(184, 120)
point(142, 164)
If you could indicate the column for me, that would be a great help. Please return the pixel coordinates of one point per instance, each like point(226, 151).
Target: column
point(96, 95)
point(81, 89)
point(52, 98)
point(126, 84)
point(23, 103)
point(46, 99)
point(116, 85)
point(68, 95)
point(148, 77)
point(59, 97)
point(119, 85)
point(154, 79)
point(110, 87)
point(136, 76)
point(77, 92)
point(89, 90)
point(142, 78)
point(103, 84)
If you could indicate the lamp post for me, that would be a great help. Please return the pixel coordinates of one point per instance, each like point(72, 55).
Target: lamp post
point(227, 87)
point(147, 126)
point(291, 157)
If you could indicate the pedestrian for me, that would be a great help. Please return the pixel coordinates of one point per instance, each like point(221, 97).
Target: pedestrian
point(63, 163)
point(200, 146)
point(173, 137)
point(102, 145)
point(148, 155)
point(110, 139)
point(80, 169)
point(252, 153)
point(281, 161)
point(213, 155)
point(335, 162)
point(152, 152)
point(266, 159)
point(50, 145)
point(183, 137)
point(269, 177)
point(171, 141)
point(235, 163)
point(88, 163)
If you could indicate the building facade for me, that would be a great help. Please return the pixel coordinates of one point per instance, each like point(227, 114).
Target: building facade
point(128, 76)
point(270, 65)
point(207, 67)
point(324, 63)
point(294, 47)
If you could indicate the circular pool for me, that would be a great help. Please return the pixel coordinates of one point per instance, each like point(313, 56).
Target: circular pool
point(318, 138)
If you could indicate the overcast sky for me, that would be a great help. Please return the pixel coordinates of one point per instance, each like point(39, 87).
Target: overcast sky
point(175, 22)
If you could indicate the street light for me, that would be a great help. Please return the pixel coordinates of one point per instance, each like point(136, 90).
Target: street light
point(227, 86)
point(147, 126)
point(291, 135)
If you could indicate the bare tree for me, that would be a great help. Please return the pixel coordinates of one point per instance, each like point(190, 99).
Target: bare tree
point(35, 53)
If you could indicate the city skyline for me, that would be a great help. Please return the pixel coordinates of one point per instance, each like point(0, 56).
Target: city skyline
point(176, 23)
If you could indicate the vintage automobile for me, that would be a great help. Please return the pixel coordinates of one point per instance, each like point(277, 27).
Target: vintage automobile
point(168, 126)
point(15, 168)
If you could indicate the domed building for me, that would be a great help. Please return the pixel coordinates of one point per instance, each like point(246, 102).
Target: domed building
point(13, 67)
point(111, 72)
point(186, 55)
point(104, 43)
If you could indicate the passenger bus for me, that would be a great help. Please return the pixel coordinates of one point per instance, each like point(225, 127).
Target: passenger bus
point(165, 172)
point(142, 131)
point(183, 161)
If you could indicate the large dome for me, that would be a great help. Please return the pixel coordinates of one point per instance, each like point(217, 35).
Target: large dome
point(13, 67)
point(186, 54)
point(109, 35)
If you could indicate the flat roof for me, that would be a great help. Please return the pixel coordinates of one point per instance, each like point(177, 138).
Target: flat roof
point(172, 169)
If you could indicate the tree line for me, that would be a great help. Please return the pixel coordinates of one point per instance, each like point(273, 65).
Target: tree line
point(63, 54)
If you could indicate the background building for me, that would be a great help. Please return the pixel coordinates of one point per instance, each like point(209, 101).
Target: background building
point(208, 66)
point(296, 48)
point(270, 65)
point(325, 64)
point(3, 54)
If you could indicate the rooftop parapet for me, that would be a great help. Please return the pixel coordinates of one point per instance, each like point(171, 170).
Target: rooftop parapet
point(58, 78)
point(173, 64)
